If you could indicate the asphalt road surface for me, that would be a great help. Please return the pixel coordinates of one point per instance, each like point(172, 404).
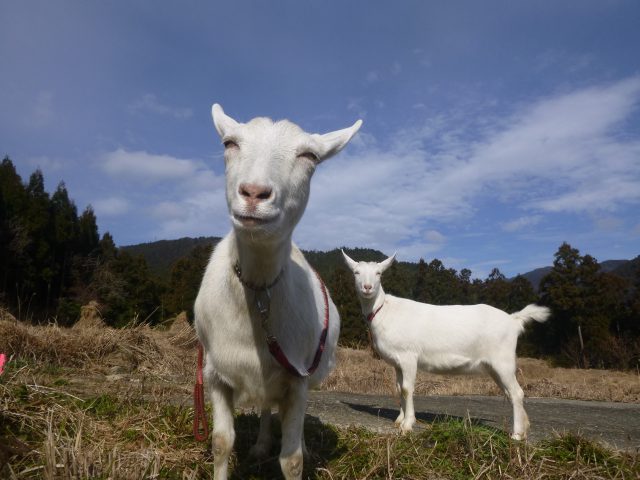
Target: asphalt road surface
point(616, 425)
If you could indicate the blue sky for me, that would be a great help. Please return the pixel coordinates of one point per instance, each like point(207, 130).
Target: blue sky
point(493, 131)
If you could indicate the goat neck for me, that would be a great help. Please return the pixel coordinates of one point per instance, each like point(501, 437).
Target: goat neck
point(262, 263)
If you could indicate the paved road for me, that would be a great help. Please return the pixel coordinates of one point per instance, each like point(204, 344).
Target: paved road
point(614, 424)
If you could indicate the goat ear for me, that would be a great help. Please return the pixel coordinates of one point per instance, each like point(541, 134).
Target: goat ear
point(350, 263)
point(332, 142)
point(388, 262)
point(223, 122)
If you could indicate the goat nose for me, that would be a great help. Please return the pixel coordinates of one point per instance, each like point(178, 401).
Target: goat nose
point(367, 286)
point(254, 193)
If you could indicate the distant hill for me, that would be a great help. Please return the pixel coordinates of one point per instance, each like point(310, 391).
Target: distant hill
point(629, 269)
point(161, 255)
point(623, 268)
point(536, 276)
point(613, 265)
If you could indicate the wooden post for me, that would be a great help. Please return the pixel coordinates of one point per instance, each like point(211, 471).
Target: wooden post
point(584, 362)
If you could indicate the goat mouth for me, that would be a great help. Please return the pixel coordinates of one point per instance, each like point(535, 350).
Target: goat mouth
point(252, 221)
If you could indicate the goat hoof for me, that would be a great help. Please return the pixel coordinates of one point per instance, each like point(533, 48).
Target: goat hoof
point(406, 427)
point(518, 436)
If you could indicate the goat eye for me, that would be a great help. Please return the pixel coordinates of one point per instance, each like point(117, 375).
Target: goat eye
point(309, 156)
point(356, 273)
point(229, 144)
point(378, 274)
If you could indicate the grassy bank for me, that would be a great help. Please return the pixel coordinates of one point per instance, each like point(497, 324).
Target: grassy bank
point(93, 402)
point(50, 433)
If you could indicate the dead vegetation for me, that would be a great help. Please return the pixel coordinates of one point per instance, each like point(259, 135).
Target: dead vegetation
point(169, 352)
point(95, 348)
point(97, 402)
point(358, 372)
point(90, 317)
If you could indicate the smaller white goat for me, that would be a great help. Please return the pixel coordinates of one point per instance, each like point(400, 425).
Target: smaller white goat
point(450, 339)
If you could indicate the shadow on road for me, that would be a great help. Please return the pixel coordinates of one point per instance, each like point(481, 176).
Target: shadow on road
point(430, 418)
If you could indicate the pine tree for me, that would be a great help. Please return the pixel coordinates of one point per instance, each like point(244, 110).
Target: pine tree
point(419, 293)
point(521, 294)
point(467, 290)
point(39, 266)
point(186, 276)
point(496, 290)
point(13, 235)
point(353, 330)
point(65, 240)
point(88, 238)
point(584, 308)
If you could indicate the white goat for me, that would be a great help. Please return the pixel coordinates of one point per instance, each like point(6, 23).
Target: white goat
point(449, 339)
point(261, 313)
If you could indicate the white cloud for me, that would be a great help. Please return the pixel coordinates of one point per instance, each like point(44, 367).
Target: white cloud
point(190, 203)
point(561, 154)
point(521, 223)
point(111, 206)
point(433, 236)
point(200, 213)
point(356, 105)
point(608, 223)
point(566, 145)
point(167, 210)
point(148, 167)
point(371, 77)
point(45, 163)
point(149, 103)
point(562, 60)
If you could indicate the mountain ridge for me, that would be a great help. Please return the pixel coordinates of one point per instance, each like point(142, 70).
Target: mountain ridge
point(161, 254)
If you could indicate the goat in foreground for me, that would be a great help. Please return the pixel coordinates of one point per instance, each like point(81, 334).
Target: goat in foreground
point(263, 316)
point(450, 339)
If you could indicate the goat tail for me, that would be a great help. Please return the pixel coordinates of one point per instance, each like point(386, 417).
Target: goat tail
point(532, 312)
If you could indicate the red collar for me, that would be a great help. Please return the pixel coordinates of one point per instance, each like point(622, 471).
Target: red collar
point(374, 313)
point(263, 303)
point(282, 359)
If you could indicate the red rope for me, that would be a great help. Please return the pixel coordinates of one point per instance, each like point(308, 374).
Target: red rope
point(200, 415)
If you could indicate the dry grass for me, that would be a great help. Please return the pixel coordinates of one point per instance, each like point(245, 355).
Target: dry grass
point(55, 435)
point(358, 372)
point(99, 349)
point(95, 402)
point(170, 353)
